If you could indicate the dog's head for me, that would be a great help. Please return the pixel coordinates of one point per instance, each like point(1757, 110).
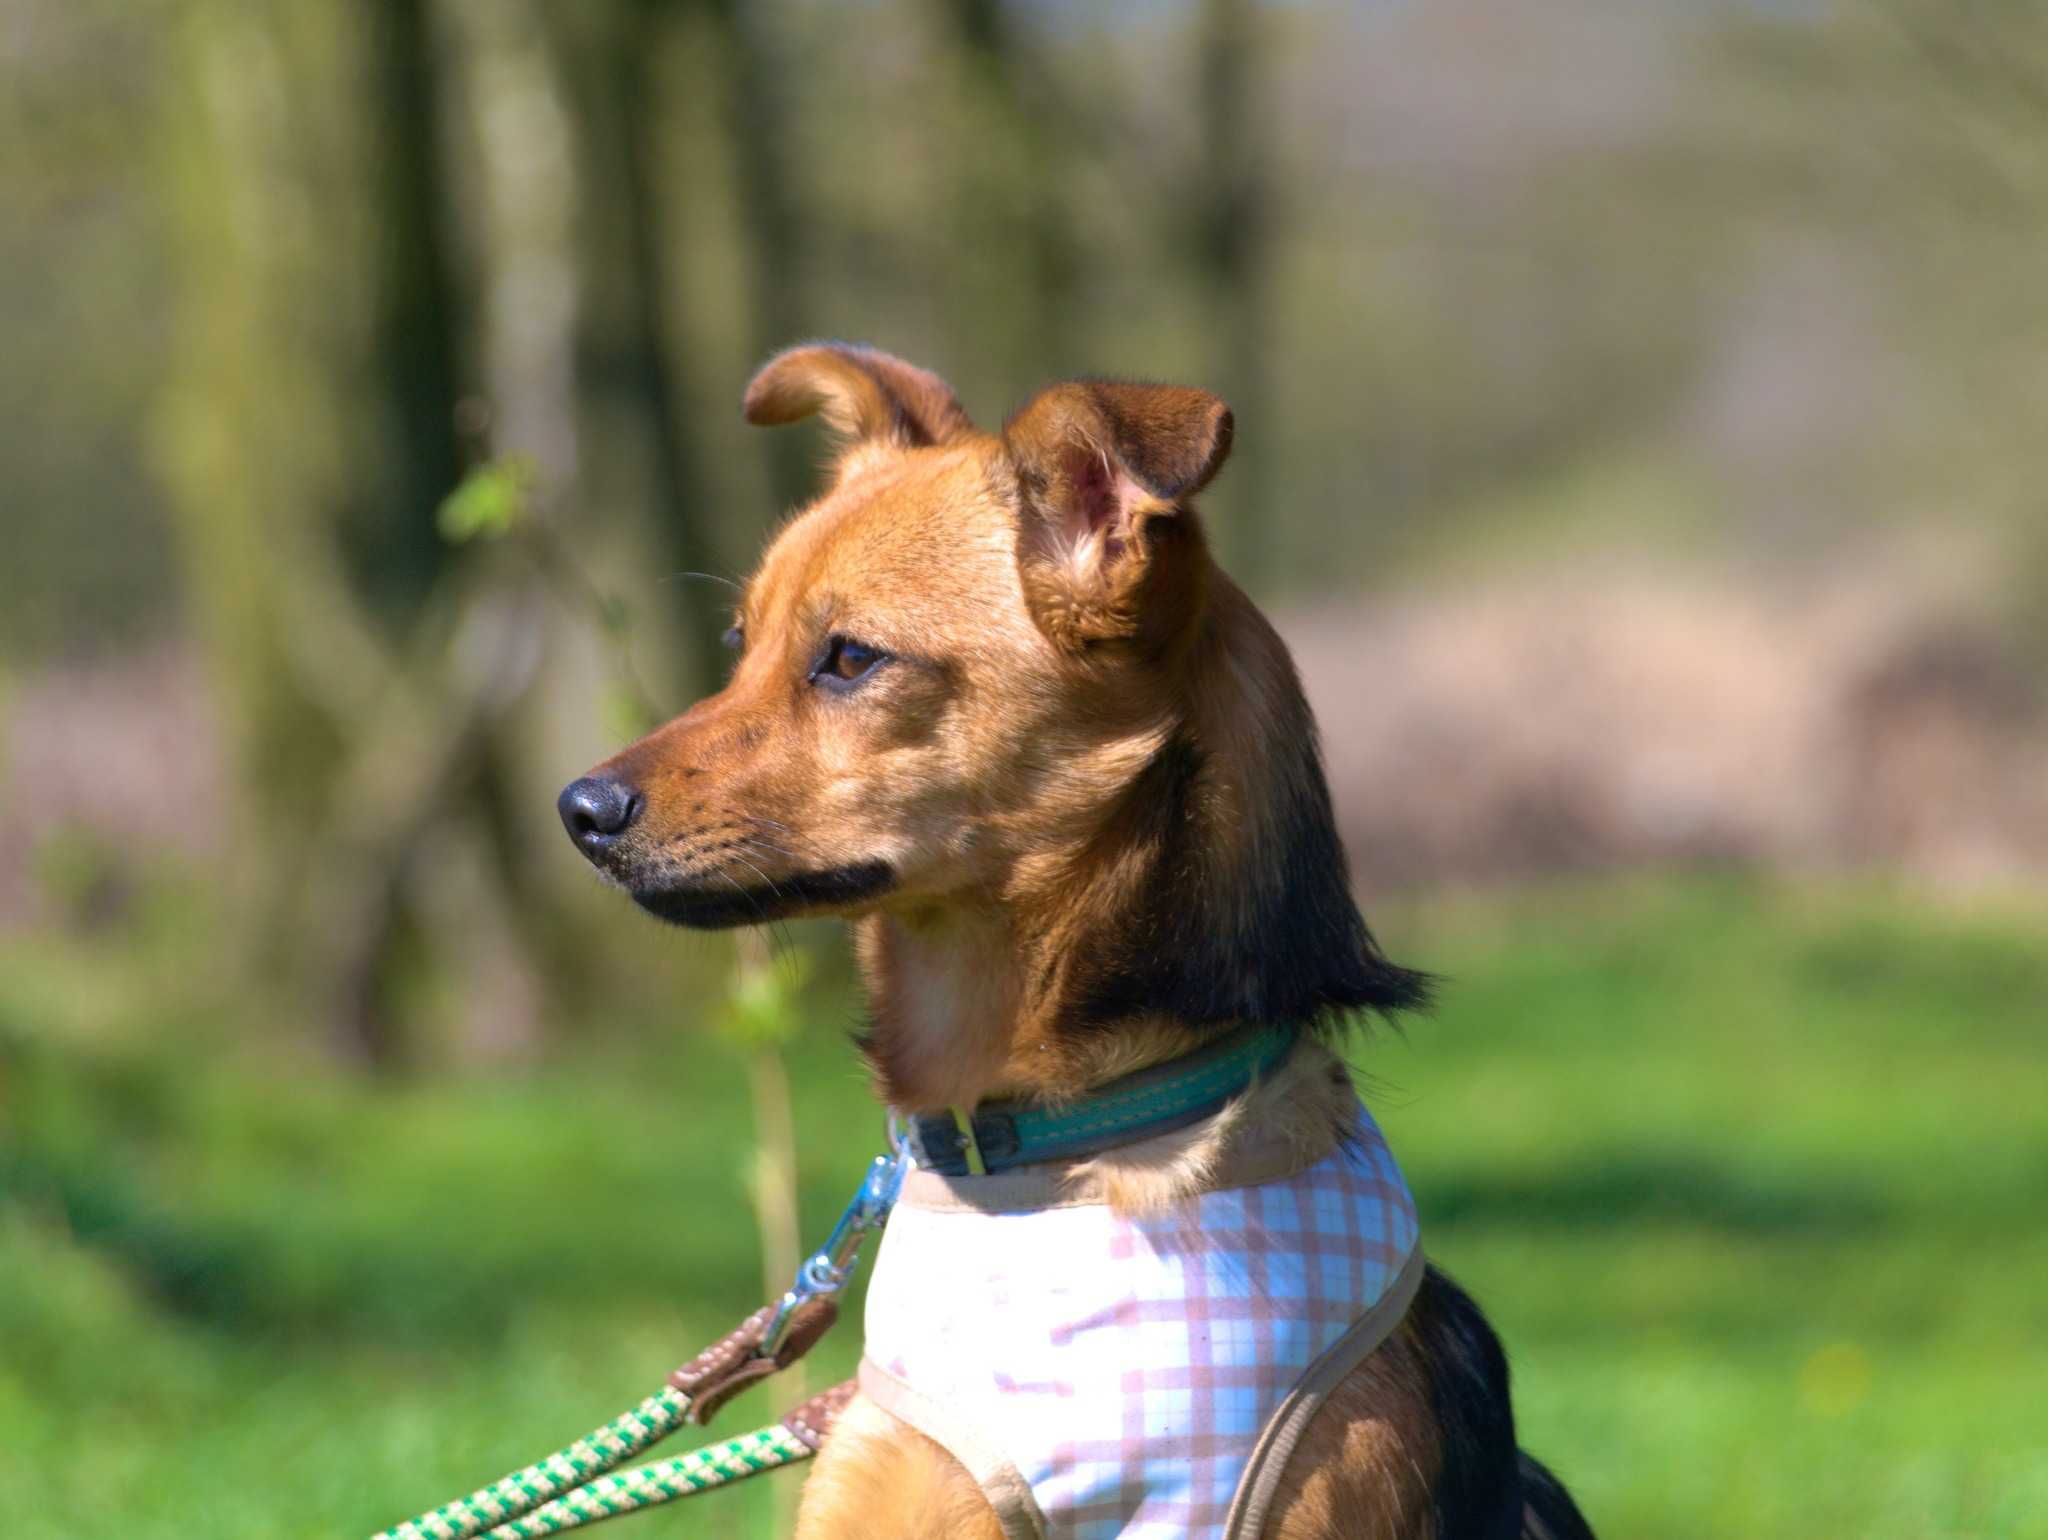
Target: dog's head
point(1001, 670)
point(933, 658)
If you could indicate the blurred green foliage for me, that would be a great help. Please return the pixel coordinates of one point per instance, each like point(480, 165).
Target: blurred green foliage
point(1741, 1171)
point(490, 500)
point(766, 1006)
point(1787, 252)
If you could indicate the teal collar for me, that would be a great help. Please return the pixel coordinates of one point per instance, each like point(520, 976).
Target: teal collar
point(1001, 1135)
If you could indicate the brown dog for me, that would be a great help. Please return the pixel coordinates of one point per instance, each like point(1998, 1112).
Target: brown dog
point(996, 705)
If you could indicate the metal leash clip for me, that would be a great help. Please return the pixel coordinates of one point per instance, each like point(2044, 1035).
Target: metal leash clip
point(825, 1272)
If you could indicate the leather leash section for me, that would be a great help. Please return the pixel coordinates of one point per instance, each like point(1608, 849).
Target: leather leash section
point(813, 1420)
point(582, 1483)
point(735, 1361)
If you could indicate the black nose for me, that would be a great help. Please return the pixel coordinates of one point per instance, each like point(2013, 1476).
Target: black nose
point(597, 811)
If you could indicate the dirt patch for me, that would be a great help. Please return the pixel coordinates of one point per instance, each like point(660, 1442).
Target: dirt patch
point(1491, 732)
point(125, 755)
point(1563, 724)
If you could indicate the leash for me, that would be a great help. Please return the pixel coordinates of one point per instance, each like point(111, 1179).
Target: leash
point(581, 1484)
point(576, 1485)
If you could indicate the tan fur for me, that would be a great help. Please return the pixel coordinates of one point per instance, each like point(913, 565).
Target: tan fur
point(1307, 1101)
point(1052, 619)
point(1366, 1461)
point(877, 1477)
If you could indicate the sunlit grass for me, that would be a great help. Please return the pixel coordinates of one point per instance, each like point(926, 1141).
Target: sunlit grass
point(1744, 1177)
point(1750, 1180)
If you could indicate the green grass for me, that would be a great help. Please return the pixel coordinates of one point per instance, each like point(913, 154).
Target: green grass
point(1751, 1179)
point(1752, 1185)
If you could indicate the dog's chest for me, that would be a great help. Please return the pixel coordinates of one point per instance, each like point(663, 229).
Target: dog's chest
point(1121, 1371)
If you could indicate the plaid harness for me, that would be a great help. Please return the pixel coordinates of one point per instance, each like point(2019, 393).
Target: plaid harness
point(1111, 1377)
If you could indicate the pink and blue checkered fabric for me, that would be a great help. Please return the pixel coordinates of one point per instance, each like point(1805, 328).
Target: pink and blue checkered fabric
point(1127, 1367)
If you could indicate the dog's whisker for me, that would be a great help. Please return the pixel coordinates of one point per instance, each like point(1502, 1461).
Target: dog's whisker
point(775, 925)
point(740, 888)
point(709, 577)
point(773, 890)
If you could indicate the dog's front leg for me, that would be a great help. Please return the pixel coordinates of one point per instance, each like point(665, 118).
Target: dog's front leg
point(879, 1478)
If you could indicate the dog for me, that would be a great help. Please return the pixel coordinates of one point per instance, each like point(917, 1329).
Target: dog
point(994, 703)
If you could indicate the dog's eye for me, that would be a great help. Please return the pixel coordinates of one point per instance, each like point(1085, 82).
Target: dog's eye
point(844, 661)
point(734, 638)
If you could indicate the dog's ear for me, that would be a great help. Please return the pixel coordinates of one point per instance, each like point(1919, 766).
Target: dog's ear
point(1105, 471)
point(861, 392)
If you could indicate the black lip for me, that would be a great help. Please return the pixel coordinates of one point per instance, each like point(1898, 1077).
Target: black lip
point(721, 906)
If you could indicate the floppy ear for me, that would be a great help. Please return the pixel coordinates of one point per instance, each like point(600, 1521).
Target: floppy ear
point(861, 392)
point(1105, 470)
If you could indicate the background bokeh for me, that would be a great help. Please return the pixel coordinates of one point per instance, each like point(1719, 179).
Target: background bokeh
point(1639, 440)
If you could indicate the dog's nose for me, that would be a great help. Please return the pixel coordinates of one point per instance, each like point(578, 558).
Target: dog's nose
point(597, 811)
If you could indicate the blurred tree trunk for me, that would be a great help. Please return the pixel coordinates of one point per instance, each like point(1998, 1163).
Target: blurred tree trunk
point(756, 121)
point(410, 398)
point(1232, 238)
point(265, 437)
point(675, 487)
point(308, 439)
point(521, 250)
point(644, 452)
point(1010, 268)
point(421, 326)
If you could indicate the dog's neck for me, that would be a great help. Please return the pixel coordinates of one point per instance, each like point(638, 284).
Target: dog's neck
point(961, 1011)
point(1209, 891)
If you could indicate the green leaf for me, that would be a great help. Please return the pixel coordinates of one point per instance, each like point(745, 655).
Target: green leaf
point(491, 500)
point(765, 1005)
point(626, 714)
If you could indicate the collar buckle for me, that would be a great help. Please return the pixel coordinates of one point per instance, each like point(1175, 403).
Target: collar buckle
point(960, 1144)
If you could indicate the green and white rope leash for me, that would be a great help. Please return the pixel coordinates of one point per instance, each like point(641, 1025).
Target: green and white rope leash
point(570, 1488)
point(574, 1486)
point(646, 1485)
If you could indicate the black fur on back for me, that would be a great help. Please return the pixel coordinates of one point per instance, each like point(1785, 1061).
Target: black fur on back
point(1478, 1484)
point(1548, 1512)
point(1486, 1488)
point(1282, 942)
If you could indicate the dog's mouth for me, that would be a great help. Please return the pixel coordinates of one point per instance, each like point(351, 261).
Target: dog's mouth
point(718, 902)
